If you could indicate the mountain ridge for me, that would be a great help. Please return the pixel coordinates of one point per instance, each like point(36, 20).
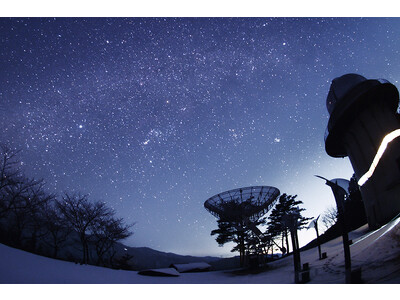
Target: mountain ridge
point(146, 257)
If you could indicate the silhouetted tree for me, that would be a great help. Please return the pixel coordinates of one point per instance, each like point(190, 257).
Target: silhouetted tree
point(9, 176)
point(57, 227)
point(26, 196)
point(286, 218)
point(294, 221)
point(36, 203)
point(81, 214)
point(241, 232)
point(106, 231)
point(329, 217)
point(276, 224)
point(229, 231)
point(21, 202)
point(30, 217)
point(123, 262)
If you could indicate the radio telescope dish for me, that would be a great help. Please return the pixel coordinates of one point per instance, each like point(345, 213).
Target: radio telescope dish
point(246, 204)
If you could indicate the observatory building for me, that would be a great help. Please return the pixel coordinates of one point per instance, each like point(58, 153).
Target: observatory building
point(364, 125)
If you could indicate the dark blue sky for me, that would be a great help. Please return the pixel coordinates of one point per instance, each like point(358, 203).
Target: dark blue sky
point(155, 115)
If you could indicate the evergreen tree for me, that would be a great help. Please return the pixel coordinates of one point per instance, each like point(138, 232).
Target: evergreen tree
point(286, 219)
point(290, 219)
point(230, 231)
point(277, 224)
point(239, 230)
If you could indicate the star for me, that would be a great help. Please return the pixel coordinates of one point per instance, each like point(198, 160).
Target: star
point(180, 109)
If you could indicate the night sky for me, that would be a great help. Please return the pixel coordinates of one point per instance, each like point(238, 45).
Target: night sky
point(156, 115)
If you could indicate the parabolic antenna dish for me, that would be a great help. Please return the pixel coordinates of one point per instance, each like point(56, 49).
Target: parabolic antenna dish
point(242, 204)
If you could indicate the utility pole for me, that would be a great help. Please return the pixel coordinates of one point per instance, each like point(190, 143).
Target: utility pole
point(340, 195)
point(314, 223)
point(292, 222)
point(318, 241)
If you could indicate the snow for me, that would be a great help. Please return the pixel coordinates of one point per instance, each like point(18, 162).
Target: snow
point(377, 253)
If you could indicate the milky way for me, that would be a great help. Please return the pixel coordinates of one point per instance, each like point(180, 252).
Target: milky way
point(155, 115)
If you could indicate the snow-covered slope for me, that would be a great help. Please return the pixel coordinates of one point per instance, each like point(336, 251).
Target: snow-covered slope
point(377, 253)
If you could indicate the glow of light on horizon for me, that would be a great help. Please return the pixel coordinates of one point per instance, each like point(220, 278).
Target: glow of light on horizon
point(382, 148)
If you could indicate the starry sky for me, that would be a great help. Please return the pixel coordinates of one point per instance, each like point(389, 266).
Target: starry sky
point(156, 115)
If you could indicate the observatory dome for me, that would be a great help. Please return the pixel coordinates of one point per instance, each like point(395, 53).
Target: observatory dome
point(340, 87)
point(348, 96)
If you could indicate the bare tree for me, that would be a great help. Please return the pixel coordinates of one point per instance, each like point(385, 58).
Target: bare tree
point(24, 199)
point(81, 214)
point(29, 214)
point(57, 228)
point(21, 202)
point(8, 165)
point(106, 232)
point(329, 217)
point(36, 204)
point(9, 177)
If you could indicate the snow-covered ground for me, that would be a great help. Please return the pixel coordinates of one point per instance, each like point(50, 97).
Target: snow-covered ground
point(377, 253)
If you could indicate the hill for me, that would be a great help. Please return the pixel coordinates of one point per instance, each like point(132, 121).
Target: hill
point(147, 258)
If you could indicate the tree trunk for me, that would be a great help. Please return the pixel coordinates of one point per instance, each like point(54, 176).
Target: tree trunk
point(33, 241)
point(54, 244)
point(241, 252)
point(287, 241)
point(297, 243)
point(55, 252)
point(87, 252)
point(83, 242)
point(113, 252)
